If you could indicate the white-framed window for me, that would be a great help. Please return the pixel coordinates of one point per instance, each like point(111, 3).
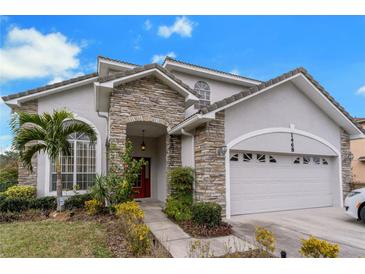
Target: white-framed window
point(297, 160)
point(247, 157)
point(234, 157)
point(317, 160)
point(324, 162)
point(272, 159)
point(261, 158)
point(79, 168)
point(203, 89)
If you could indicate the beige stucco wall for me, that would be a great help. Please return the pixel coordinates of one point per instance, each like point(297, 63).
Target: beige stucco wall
point(358, 168)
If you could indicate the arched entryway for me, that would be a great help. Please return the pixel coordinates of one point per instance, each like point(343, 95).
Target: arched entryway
point(149, 139)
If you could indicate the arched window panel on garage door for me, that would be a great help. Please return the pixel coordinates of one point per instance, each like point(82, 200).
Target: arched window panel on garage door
point(234, 157)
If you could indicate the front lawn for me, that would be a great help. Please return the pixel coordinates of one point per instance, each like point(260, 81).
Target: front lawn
point(53, 238)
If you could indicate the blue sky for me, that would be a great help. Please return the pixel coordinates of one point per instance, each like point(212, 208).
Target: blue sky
point(36, 50)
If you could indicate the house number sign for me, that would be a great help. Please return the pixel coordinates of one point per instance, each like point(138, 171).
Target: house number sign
point(292, 142)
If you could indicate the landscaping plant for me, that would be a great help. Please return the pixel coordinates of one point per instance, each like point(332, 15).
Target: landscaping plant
point(316, 248)
point(265, 239)
point(48, 133)
point(117, 186)
point(77, 201)
point(8, 170)
point(208, 214)
point(179, 202)
point(136, 232)
point(21, 192)
point(93, 207)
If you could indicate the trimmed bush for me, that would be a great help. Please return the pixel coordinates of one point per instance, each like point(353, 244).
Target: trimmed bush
point(77, 201)
point(14, 205)
point(316, 248)
point(21, 192)
point(44, 203)
point(181, 180)
point(208, 214)
point(178, 209)
point(20, 204)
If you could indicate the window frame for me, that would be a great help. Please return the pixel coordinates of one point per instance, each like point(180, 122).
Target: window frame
point(203, 92)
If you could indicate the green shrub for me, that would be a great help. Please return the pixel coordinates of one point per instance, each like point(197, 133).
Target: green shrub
point(14, 204)
point(316, 248)
point(265, 239)
point(208, 214)
point(8, 217)
point(22, 192)
point(77, 201)
point(179, 208)
point(5, 185)
point(181, 180)
point(44, 203)
point(138, 239)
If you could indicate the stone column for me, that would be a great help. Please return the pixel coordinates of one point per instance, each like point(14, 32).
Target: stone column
point(25, 177)
point(346, 163)
point(209, 166)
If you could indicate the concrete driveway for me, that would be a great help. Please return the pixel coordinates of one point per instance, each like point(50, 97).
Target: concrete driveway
point(331, 224)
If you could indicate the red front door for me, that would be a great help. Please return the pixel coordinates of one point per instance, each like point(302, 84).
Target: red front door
point(142, 187)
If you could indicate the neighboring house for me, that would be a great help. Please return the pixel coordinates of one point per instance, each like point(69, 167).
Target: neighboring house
point(255, 146)
point(358, 161)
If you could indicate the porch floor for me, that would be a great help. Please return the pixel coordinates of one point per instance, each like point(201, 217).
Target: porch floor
point(177, 242)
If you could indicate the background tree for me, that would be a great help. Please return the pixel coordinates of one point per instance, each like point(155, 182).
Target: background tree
point(48, 133)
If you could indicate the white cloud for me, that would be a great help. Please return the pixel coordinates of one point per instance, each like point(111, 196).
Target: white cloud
point(147, 25)
point(27, 53)
point(159, 58)
point(361, 90)
point(182, 26)
point(235, 71)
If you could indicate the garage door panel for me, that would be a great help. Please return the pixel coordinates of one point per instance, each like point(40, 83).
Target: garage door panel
point(259, 187)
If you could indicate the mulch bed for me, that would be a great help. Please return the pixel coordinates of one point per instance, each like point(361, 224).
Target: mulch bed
point(202, 231)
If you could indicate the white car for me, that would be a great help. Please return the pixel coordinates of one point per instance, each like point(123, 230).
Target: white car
point(355, 204)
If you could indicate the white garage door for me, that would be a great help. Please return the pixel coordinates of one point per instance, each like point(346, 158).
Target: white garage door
point(269, 182)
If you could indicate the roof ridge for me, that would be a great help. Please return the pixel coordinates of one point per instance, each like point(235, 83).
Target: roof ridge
point(49, 86)
point(147, 67)
point(212, 69)
point(117, 60)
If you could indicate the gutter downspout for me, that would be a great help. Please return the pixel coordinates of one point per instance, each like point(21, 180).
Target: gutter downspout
point(183, 132)
point(106, 117)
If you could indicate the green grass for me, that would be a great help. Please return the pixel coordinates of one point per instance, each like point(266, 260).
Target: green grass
point(52, 238)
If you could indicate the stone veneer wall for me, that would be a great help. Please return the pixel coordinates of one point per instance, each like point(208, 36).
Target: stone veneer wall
point(146, 100)
point(25, 177)
point(209, 166)
point(346, 163)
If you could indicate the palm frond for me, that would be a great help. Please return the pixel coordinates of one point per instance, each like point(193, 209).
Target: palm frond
point(80, 127)
point(26, 135)
point(27, 155)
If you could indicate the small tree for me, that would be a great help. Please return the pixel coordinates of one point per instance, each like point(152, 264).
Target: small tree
point(47, 132)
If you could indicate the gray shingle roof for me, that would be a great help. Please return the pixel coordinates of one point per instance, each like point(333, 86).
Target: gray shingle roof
point(211, 69)
point(255, 89)
point(144, 68)
point(118, 61)
point(55, 85)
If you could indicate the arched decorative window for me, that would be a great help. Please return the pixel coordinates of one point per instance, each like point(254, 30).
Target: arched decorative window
point(203, 89)
point(78, 169)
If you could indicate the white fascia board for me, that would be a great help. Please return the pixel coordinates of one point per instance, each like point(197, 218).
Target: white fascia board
point(188, 95)
point(18, 101)
point(333, 108)
point(114, 63)
point(168, 64)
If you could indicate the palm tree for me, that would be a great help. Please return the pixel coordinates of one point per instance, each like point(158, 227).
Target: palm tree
point(47, 132)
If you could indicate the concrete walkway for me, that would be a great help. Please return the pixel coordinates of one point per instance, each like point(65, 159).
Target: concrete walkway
point(179, 243)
